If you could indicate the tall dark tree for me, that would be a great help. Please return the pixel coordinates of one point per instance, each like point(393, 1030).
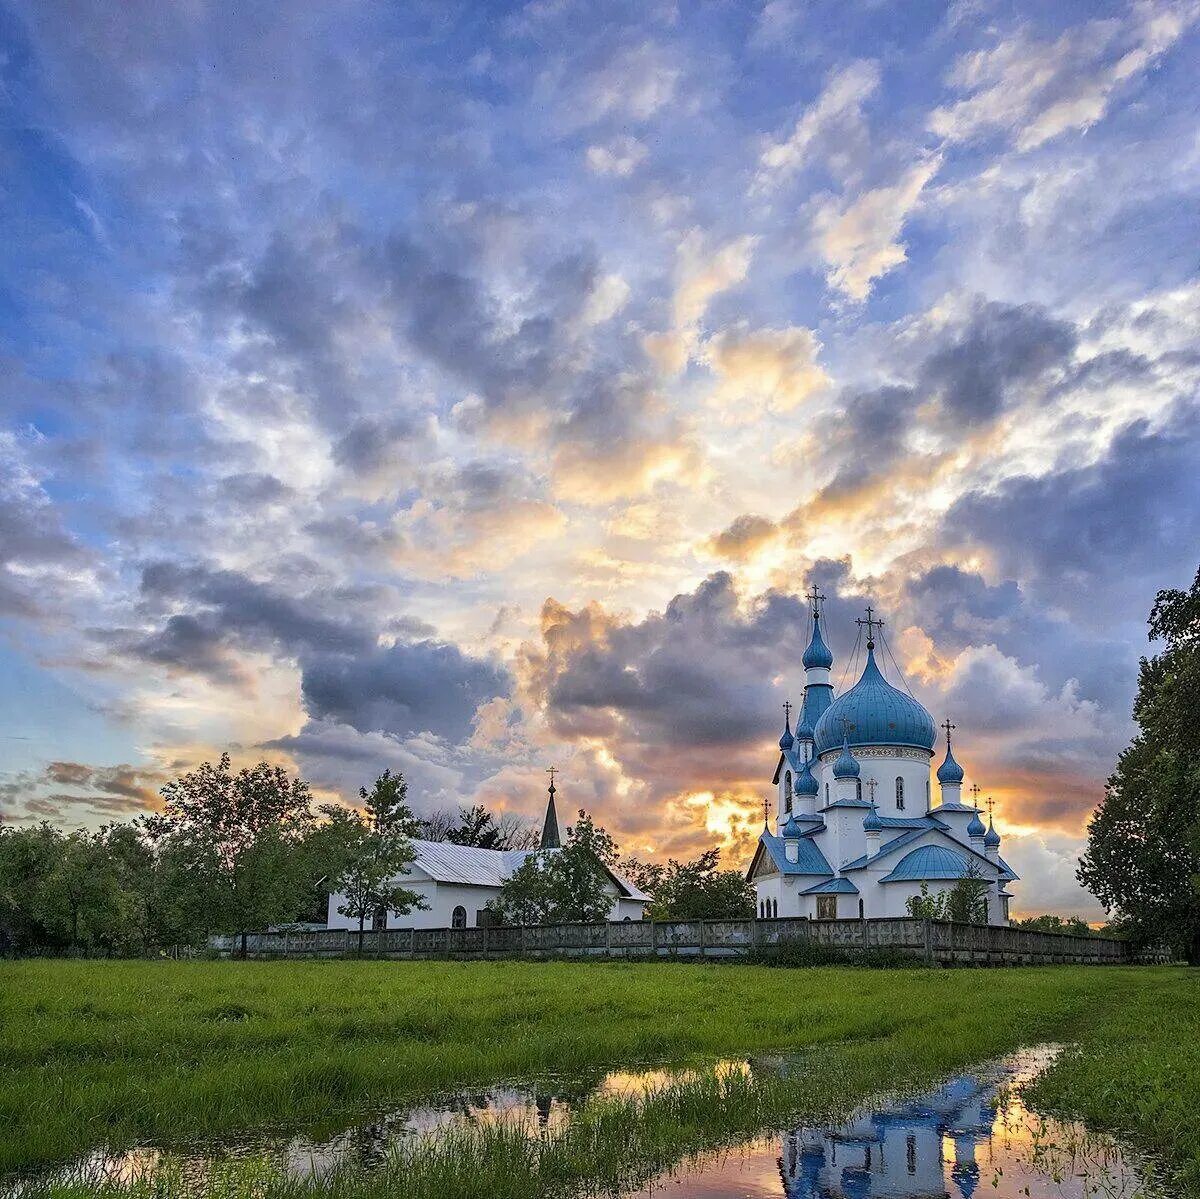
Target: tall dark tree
point(1143, 853)
point(478, 827)
point(241, 838)
point(372, 849)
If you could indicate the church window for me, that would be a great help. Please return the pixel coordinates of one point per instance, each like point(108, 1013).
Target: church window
point(826, 907)
point(910, 1154)
point(899, 794)
point(458, 918)
point(927, 793)
point(787, 791)
point(826, 792)
point(858, 788)
point(775, 909)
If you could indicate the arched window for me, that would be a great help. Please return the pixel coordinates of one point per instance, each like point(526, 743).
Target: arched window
point(926, 793)
point(775, 908)
point(458, 918)
point(787, 791)
point(826, 792)
point(899, 794)
point(858, 788)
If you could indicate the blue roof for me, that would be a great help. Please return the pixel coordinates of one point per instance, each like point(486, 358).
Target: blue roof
point(818, 654)
point(806, 784)
point(975, 826)
point(804, 728)
point(928, 862)
point(817, 697)
point(846, 766)
point(832, 886)
point(846, 803)
point(888, 847)
point(949, 771)
point(786, 741)
point(791, 828)
point(871, 821)
point(809, 859)
point(955, 807)
point(877, 714)
point(991, 838)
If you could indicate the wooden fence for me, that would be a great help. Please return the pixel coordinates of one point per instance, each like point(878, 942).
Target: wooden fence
point(929, 941)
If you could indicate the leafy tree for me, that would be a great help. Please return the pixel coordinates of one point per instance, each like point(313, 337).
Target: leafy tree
point(372, 849)
point(695, 890)
point(27, 857)
point(1074, 925)
point(241, 836)
point(1143, 854)
point(966, 901)
point(564, 885)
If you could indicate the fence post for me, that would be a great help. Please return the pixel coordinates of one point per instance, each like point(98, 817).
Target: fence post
point(654, 938)
point(928, 942)
point(701, 938)
point(608, 938)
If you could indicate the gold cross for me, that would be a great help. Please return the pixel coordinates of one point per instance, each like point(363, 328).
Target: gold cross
point(552, 771)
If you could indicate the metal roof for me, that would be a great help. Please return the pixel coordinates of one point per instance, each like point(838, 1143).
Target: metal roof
point(928, 862)
point(832, 886)
point(876, 714)
point(809, 859)
point(471, 866)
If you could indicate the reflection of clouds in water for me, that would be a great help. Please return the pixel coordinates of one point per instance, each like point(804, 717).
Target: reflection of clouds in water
point(972, 1134)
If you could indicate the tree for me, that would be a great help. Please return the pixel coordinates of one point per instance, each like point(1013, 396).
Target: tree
point(1143, 853)
point(562, 885)
point(241, 836)
point(966, 901)
point(1075, 925)
point(478, 827)
point(695, 890)
point(372, 849)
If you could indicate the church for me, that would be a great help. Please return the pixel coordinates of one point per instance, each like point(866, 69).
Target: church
point(457, 881)
point(858, 831)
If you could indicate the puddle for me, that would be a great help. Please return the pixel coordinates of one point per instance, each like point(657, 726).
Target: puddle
point(972, 1135)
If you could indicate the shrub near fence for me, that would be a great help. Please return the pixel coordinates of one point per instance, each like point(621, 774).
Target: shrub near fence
point(930, 941)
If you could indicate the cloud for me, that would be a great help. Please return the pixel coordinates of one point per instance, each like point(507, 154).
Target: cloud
point(777, 367)
point(859, 239)
point(620, 157)
point(1034, 91)
point(404, 689)
point(826, 130)
point(744, 537)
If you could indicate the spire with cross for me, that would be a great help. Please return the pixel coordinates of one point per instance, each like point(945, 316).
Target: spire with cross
point(871, 785)
point(871, 624)
point(815, 600)
point(766, 806)
point(975, 789)
point(550, 835)
point(949, 729)
point(991, 803)
point(787, 713)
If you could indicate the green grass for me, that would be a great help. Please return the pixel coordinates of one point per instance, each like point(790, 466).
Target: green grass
point(113, 1053)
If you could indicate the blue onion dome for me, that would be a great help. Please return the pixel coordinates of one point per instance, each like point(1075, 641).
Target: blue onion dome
point(806, 783)
point(975, 827)
point(846, 766)
point(804, 730)
point(949, 771)
point(871, 821)
point(877, 714)
point(991, 838)
point(818, 653)
point(786, 741)
point(791, 828)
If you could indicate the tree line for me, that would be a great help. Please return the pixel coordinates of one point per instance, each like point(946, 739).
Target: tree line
point(235, 852)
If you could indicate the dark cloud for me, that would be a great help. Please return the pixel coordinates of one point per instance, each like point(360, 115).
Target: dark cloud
point(33, 543)
point(1118, 528)
point(1000, 347)
point(402, 689)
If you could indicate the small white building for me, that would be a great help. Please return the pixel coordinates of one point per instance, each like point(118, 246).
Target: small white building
point(857, 832)
point(457, 881)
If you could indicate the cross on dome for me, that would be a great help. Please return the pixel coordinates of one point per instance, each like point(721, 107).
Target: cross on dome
point(871, 625)
point(815, 600)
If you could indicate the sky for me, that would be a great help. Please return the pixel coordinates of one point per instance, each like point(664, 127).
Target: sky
point(466, 389)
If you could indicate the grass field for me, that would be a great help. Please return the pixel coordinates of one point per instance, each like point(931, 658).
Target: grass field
point(114, 1053)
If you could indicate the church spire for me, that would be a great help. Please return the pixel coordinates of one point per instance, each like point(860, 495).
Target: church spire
point(550, 837)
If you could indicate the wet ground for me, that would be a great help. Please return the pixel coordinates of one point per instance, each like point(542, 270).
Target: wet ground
point(972, 1135)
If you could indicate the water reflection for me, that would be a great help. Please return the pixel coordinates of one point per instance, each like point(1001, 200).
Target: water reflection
point(971, 1135)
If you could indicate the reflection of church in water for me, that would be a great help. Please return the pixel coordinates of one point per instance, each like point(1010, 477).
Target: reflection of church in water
point(920, 1148)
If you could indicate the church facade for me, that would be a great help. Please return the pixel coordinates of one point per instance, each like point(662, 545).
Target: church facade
point(859, 830)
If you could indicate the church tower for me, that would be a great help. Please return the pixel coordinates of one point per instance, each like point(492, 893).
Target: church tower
point(550, 838)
